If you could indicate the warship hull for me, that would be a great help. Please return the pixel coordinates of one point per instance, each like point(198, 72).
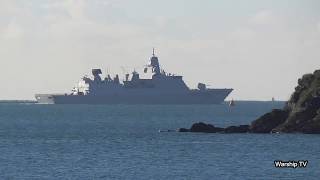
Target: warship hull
point(212, 96)
point(162, 88)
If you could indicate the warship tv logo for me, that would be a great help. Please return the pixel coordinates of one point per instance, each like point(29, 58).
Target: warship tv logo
point(291, 164)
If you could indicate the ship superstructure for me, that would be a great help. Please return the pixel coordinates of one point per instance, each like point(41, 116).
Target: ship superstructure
point(162, 88)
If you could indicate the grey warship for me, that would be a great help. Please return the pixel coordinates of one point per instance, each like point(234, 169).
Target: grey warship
point(162, 88)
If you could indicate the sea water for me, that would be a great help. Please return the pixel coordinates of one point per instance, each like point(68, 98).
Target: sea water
point(123, 142)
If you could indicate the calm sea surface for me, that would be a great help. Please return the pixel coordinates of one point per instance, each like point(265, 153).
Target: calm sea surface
point(123, 142)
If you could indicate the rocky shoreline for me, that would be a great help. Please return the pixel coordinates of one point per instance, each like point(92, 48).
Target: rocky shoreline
point(209, 128)
point(301, 113)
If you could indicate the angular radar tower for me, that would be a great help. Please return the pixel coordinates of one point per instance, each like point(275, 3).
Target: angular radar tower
point(154, 63)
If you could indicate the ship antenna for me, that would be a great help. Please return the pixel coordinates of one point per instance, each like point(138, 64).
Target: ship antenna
point(153, 52)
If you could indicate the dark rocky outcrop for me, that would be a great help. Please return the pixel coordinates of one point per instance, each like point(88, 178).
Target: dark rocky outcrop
point(269, 121)
point(183, 130)
point(313, 126)
point(303, 108)
point(301, 113)
point(209, 128)
point(237, 129)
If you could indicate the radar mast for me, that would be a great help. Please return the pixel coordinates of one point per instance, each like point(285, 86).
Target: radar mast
point(154, 63)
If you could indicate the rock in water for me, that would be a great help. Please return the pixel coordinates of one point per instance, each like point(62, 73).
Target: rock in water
point(269, 121)
point(301, 113)
point(303, 106)
point(183, 130)
point(237, 129)
point(313, 126)
point(206, 128)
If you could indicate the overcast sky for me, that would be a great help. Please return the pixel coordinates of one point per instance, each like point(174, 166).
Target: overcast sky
point(258, 47)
